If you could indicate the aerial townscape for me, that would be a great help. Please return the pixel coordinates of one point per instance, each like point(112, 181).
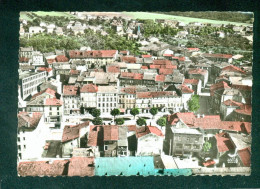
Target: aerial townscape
point(103, 94)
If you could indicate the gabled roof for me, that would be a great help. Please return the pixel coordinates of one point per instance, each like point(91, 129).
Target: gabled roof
point(95, 137)
point(242, 87)
point(47, 91)
point(184, 89)
point(191, 81)
point(197, 71)
point(70, 90)
point(53, 102)
point(27, 120)
point(233, 68)
point(89, 88)
point(110, 132)
point(223, 142)
point(61, 58)
point(226, 56)
point(42, 168)
point(230, 102)
point(244, 109)
point(160, 78)
point(217, 86)
point(128, 59)
point(245, 156)
point(165, 71)
point(71, 132)
point(146, 56)
point(144, 130)
point(113, 69)
point(129, 75)
point(92, 54)
point(81, 166)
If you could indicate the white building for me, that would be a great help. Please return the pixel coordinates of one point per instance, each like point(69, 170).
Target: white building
point(88, 96)
point(38, 59)
point(35, 29)
point(29, 82)
point(71, 99)
point(53, 111)
point(107, 99)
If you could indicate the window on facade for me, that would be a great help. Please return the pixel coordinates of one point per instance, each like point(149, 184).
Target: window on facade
point(19, 147)
point(23, 138)
point(105, 147)
point(24, 146)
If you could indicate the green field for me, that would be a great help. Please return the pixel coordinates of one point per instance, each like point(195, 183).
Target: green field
point(41, 13)
point(146, 15)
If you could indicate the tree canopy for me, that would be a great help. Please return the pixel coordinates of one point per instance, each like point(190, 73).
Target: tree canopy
point(141, 121)
point(153, 111)
point(134, 111)
point(161, 121)
point(119, 121)
point(194, 103)
point(97, 121)
point(115, 112)
point(207, 146)
point(95, 112)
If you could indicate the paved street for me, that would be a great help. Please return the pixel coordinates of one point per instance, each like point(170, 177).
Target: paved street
point(204, 105)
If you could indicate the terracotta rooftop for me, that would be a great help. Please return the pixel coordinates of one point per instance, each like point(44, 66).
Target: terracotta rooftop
point(197, 71)
point(245, 156)
point(113, 69)
point(129, 90)
point(110, 132)
point(41, 69)
point(144, 130)
point(92, 54)
point(23, 59)
point(29, 120)
point(61, 58)
point(244, 109)
point(42, 168)
point(89, 88)
point(81, 166)
point(242, 87)
point(230, 102)
point(226, 56)
point(191, 81)
point(160, 78)
point(193, 49)
point(185, 89)
point(156, 94)
point(95, 137)
point(144, 67)
point(161, 62)
point(233, 68)
point(70, 90)
point(47, 91)
point(146, 56)
point(223, 142)
point(217, 86)
point(155, 66)
point(74, 72)
point(165, 71)
point(71, 132)
point(128, 59)
point(129, 75)
point(53, 102)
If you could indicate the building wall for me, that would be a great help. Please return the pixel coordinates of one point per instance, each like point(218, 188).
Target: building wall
point(107, 102)
point(110, 148)
point(88, 100)
point(67, 147)
point(71, 103)
point(30, 83)
point(53, 114)
point(149, 144)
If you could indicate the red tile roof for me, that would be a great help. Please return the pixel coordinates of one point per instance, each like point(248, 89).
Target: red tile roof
point(74, 72)
point(123, 52)
point(129, 90)
point(110, 132)
point(223, 142)
point(89, 88)
point(92, 54)
point(217, 86)
point(198, 71)
point(81, 166)
point(70, 90)
point(245, 156)
point(142, 131)
point(144, 67)
point(113, 69)
point(41, 69)
point(230, 102)
point(242, 87)
point(42, 168)
point(208, 122)
point(25, 119)
point(131, 127)
point(165, 71)
point(146, 56)
point(128, 59)
point(154, 94)
point(61, 58)
point(191, 81)
point(71, 132)
point(152, 66)
point(161, 62)
point(185, 89)
point(168, 55)
point(160, 78)
point(193, 49)
point(53, 102)
point(23, 59)
point(95, 137)
point(233, 68)
point(226, 56)
point(50, 61)
point(129, 75)
point(244, 109)
point(47, 91)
